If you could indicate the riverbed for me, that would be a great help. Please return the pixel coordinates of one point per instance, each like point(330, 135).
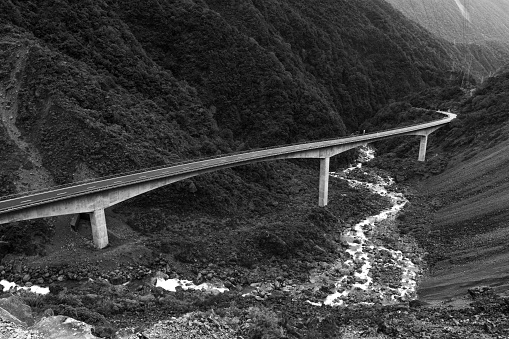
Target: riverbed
point(371, 272)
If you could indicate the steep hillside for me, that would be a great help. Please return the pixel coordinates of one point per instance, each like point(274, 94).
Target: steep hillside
point(98, 87)
point(464, 224)
point(477, 29)
point(460, 21)
point(351, 56)
point(109, 86)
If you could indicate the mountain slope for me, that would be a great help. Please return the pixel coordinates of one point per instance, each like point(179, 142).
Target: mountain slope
point(110, 86)
point(465, 229)
point(477, 29)
point(470, 229)
point(460, 21)
point(350, 56)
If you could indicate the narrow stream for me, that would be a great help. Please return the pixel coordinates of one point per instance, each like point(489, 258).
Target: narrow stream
point(353, 278)
point(365, 254)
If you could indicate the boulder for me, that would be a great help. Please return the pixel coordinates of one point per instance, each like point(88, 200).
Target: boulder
point(15, 307)
point(416, 303)
point(481, 291)
point(6, 316)
point(62, 327)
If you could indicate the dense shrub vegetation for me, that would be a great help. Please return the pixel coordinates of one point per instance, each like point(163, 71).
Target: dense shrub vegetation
point(116, 85)
point(482, 116)
point(399, 114)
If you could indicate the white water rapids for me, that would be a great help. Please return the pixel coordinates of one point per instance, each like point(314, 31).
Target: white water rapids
point(172, 284)
point(10, 286)
point(356, 285)
point(365, 254)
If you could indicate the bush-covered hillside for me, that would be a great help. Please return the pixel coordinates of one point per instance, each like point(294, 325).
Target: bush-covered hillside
point(256, 59)
point(107, 86)
point(482, 116)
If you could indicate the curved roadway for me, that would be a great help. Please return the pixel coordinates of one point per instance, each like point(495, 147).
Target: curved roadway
point(34, 198)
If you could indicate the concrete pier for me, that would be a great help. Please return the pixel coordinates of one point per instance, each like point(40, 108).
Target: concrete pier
point(99, 230)
point(422, 147)
point(323, 198)
point(74, 222)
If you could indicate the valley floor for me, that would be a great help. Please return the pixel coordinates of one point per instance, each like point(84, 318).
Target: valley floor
point(262, 254)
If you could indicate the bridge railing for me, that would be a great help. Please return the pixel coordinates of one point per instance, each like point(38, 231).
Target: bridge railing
point(187, 161)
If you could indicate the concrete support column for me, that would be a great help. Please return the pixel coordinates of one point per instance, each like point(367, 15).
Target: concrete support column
point(74, 222)
point(323, 198)
point(99, 231)
point(422, 148)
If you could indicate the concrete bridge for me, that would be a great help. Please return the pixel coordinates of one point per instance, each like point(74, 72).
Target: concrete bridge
point(94, 196)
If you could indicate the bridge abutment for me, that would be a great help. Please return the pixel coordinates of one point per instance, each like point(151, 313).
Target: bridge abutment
point(323, 198)
point(99, 230)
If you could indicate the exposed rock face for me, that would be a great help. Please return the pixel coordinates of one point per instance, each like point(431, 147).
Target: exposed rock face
point(61, 327)
point(15, 310)
point(17, 321)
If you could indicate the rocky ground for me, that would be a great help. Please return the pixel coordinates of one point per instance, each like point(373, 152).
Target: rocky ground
point(481, 314)
point(268, 262)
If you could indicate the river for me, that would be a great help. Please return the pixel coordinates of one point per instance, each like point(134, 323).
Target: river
point(355, 282)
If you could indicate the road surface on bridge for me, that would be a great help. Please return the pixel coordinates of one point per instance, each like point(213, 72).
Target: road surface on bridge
point(61, 193)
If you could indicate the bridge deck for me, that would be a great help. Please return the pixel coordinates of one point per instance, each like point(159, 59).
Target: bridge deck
point(62, 193)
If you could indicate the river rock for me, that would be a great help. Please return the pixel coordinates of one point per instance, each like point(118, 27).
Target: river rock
point(161, 275)
point(48, 313)
point(489, 327)
point(417, 303)
point(147, 298)
point(55, 289)
point(62, 327)
point(117, 280)
point(479, 291)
